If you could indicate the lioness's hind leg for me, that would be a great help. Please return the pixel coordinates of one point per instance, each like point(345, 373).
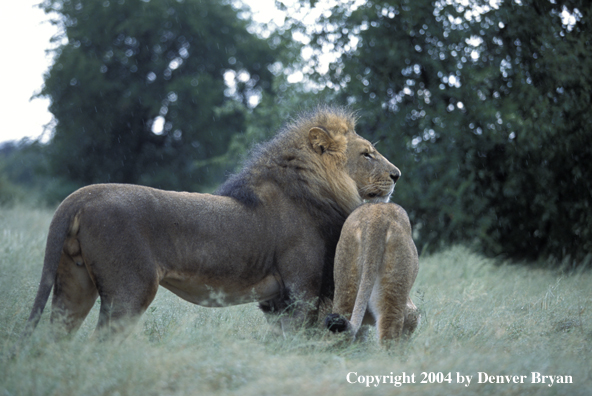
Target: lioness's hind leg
point(412, 319)
point(389, 306)
point(74, 294)
point(389, 327)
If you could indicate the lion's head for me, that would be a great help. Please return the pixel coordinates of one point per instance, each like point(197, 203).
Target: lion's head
point(319, 159)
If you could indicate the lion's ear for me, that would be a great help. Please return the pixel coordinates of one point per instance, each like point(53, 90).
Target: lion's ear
point(319, 139)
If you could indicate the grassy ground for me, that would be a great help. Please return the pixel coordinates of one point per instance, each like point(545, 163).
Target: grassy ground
point(478, 316)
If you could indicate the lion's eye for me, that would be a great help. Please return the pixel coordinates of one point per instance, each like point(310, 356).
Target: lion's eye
point(368, 155)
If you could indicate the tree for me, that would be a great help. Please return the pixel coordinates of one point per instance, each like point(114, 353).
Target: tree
point(486, 111)
point(147, 91)
point(537, 179)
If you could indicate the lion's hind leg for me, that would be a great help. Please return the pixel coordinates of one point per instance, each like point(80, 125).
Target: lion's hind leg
point(124, 299)
point(74, 294)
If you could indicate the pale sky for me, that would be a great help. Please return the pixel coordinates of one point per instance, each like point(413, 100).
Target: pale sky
point(24, 37)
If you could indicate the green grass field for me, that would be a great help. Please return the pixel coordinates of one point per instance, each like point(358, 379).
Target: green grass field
point(478, 316)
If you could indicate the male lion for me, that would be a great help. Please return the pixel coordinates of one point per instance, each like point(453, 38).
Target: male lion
point(375, 266)
point(269, 235)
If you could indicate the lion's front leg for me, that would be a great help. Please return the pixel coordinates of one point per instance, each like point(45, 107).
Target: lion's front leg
point(299, 272)
point(302, 312)
point(298, 303)
point(291, 312)
point(272, 311)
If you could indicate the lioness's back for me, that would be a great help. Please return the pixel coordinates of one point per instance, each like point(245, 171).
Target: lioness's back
point(380, 232)
point(377, 217)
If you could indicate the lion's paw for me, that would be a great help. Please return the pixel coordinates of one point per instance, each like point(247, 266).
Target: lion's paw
point(336, 323)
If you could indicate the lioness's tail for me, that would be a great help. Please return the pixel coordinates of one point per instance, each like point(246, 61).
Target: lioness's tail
point(369, 261)
point(371, 251)
point(61, 225)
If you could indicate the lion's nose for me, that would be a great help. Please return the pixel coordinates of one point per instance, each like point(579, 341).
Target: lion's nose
point(395, 175)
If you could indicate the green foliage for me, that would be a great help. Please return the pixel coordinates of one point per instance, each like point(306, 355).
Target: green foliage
point(146, 91)
point(9, 193)
point(538, 179)
point(478, 315)
point(22, 174)
point(270, 116)
point(485, 110)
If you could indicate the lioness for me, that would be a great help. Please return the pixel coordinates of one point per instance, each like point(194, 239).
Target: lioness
point(268, 235)
point(375, 266)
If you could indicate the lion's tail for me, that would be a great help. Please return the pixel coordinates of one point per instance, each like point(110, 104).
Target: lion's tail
point(372, 250)
point(62, 224)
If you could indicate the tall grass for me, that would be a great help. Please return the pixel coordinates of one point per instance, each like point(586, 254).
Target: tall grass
point(478, 316)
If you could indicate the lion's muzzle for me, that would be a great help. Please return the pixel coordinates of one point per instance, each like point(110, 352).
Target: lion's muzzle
point(395, 175)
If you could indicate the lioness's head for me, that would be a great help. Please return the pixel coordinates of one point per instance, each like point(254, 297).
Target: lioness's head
point(374, 176)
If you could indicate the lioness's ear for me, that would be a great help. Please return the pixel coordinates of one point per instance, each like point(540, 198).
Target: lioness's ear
point(319, 139)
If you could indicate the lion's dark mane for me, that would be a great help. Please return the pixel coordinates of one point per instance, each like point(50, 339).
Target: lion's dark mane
point(281, 161)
